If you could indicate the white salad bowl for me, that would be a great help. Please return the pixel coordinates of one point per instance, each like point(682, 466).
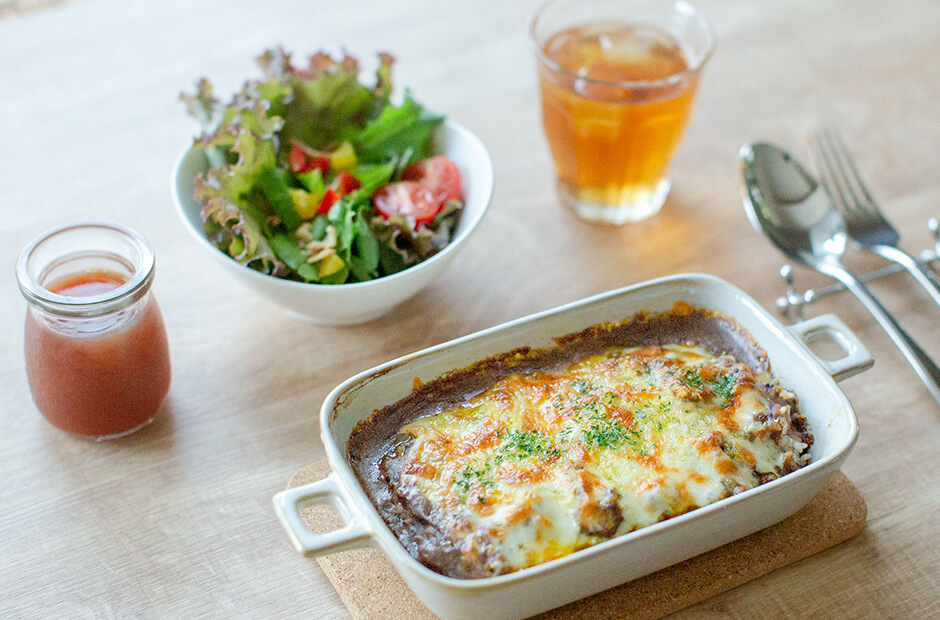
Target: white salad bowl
point(539, 588)
point(348, 304)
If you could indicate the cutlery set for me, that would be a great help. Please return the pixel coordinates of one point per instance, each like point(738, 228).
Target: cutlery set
point(812, 221)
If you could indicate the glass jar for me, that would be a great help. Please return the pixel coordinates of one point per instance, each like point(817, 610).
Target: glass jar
point(97, 356)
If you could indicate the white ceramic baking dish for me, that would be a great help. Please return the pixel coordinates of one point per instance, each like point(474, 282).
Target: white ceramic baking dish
point(533, 590)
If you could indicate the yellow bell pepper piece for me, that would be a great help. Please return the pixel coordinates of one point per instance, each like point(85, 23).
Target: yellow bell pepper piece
point(330, 265)
point(343, 158)
point(304, 203)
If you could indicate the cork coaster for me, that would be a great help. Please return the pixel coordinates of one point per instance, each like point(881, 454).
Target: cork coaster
point(370, 587)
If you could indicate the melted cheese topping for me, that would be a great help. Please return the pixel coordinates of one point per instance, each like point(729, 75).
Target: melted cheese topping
point(543, 464)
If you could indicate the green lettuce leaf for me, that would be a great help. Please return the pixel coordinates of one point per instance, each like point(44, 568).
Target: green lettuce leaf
point(239, 234)
point(328, 98)
point(289, 251)
point(372, 177)
point(273, 183)
point(364, 261)
point(398, 135)
point(252, 153)
point(202, 104)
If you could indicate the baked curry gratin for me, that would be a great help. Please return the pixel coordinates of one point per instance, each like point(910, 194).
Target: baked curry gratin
point(531, 455)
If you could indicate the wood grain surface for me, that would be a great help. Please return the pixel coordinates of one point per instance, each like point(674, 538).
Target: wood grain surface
point(176, 521)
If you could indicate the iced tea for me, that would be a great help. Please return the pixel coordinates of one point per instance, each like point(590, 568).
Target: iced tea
point(616, 97)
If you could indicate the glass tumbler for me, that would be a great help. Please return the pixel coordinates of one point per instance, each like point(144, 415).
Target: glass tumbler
point(617, 80)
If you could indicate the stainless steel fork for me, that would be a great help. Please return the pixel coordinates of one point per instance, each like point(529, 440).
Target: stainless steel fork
point(867, 227)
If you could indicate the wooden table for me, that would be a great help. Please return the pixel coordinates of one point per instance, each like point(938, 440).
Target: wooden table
point(176, 521)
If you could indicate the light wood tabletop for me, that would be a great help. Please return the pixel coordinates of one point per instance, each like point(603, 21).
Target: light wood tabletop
point(176, 521)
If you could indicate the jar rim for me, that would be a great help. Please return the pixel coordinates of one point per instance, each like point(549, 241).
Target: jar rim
point(136, 286)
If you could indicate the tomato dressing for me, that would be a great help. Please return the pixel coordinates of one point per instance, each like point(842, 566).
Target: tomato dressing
point(99, 376)
point(87, 284)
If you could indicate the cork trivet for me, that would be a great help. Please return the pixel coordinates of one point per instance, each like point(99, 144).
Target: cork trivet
point(370, 588)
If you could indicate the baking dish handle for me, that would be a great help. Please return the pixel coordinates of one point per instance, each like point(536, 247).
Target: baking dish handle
point(289, 504)
point(856, 359)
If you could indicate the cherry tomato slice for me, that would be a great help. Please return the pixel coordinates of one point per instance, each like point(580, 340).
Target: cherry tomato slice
point(345, 183)
point(407, 198)
point(320, 161)
point(297, 159)
point(439, 174)
point(300, 162)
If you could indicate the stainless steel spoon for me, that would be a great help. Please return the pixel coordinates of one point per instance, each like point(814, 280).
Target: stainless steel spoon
point(787, 204)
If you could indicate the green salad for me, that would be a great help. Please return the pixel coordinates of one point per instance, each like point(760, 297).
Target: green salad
point(317, 177)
